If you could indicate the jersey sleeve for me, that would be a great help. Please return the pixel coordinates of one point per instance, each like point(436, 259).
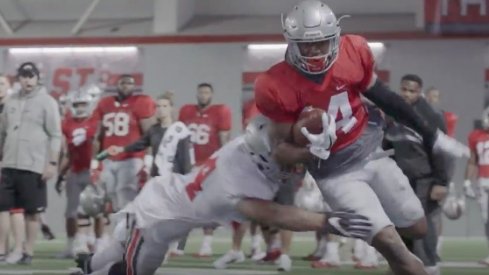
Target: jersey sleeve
point(225, 118)
point(365, 58)
point(473, 140)
point(269, 102)
point(145, 108)
point(183, 114)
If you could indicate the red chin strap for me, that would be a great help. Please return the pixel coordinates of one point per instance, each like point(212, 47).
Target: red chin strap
point(315, 65)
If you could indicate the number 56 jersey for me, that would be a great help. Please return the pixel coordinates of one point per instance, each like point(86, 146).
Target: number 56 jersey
point(120, 121)
point(207, 196)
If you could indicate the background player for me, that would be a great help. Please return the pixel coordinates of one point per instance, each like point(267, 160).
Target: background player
point(477, 172)
point(79, 132)
point(331, 72)
point(123, 118)
point(210, 125)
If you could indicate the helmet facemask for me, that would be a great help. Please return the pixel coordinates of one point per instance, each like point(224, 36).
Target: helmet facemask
point(314, 57)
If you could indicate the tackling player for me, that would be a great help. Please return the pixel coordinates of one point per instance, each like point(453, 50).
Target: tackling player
point(237, 183)
point(123, 118)
point(210, 125)
point(326, 71)
point(477, 172)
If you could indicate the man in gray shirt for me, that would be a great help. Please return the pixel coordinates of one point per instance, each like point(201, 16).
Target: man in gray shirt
point(30, 140)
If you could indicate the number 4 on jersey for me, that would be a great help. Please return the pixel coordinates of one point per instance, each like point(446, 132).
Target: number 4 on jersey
point(341, 103)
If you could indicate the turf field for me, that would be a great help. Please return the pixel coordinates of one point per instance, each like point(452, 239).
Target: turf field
point(459, 258)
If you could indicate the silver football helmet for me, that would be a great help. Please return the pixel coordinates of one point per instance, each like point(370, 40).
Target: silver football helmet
point(313, 35)
point(258, 146)
point(485, 119)
point(453, 207)
point(92, 200)
point(81, 104)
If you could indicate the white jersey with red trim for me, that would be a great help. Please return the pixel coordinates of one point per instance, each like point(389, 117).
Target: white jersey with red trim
point(208, 195)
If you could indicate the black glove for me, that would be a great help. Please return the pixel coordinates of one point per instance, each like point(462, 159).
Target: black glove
point(59, 185)
point(348, 224)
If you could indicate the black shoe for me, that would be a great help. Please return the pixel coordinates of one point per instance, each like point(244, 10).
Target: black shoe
point(3, 257)
point(47, 233)
point(25, 260)
point(82, 261)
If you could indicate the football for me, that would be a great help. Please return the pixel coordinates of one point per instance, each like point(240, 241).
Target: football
point(311, 119)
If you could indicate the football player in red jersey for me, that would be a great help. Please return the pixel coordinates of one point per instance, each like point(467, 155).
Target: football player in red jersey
point(210, 125)
point(477, 172)
point(123, 118)
point(79, 132)
point(323, 70)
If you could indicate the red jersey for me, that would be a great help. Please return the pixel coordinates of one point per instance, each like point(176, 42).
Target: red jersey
point(282, 92)
point(451, 122)
point(205, 126)
point(479, 144)
point(120, 121)
point(80, 155)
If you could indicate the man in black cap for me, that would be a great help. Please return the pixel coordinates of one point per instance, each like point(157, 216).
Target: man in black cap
point(30, 140)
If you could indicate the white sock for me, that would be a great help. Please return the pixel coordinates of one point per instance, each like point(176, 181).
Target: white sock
point(321, 247)
point(207, 240)
point(256, 241)
point(70, 243)
point(332, 247)
point(358, 248)
point(276, 244)
point(439, 245)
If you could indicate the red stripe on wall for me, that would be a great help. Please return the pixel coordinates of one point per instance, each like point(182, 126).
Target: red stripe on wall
point(183, 39)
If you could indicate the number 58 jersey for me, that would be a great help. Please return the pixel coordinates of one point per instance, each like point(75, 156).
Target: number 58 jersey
point(120, 121)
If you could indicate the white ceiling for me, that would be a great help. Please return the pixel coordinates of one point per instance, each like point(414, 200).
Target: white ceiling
point(134, 17)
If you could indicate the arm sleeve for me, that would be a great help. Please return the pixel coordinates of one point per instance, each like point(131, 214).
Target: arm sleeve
point(269, 102)
point(52, 125)
point(146, 108)
point(366, 59)
point(3, 127)
point(225, 122)
point(140, 144)
point(183, 159)
point(441, 165)
point(472, 141)
point(393, 105)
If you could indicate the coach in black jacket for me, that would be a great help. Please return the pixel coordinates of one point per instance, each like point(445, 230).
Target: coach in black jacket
point(427, 173)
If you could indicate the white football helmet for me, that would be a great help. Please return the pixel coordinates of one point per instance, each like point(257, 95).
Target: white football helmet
point(453, 207)
point(485, 119)
point(81, 104)
point(258, 145)
point(92, 200)
point(311, 21)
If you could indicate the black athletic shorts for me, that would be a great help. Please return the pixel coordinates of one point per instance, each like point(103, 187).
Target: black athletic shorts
point(22, 189)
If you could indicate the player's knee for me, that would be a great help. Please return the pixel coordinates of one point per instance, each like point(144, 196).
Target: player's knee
point(390, 245)
point(118, 268)
point(419, 229)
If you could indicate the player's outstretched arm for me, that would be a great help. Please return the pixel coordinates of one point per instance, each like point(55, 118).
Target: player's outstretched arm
point(296, 219)
point(393, 105)
point(471, 171)
point(284, 151)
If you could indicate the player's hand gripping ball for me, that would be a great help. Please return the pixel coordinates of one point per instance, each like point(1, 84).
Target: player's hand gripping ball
point(316, 130)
